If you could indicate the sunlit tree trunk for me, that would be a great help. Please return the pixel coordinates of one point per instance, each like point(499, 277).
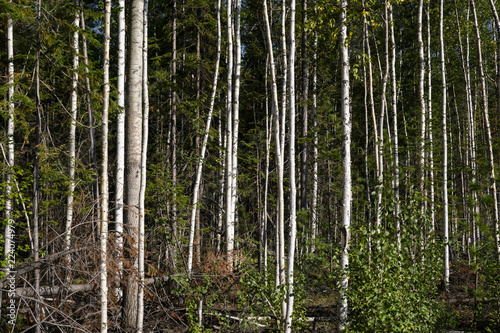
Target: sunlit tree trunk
point(445, 151)
point(72, 138)
point(229, 133)
point(430, 121)
point(305, 108)
point(421, 97)
point(293, 189)
point(103, 235)
point(133, 156)
point(120, 146)
point(496, 227)
point(346, 166)
point(482, 77)
point(278, 144)
point(395, 125)
point(142, 193)
point(314, 211)
point(204, 144)
point(10, 144)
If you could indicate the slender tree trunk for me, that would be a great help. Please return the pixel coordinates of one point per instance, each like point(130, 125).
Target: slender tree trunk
point(421, 96)
point(395, 131)
point(72, 139)
point(142, 193)
point(204, 144)
point(229, 133)
point(174, 122)
point(305, 107)
point(103, 235)
point(279, 157)
point(482, 77)
point(430, 121)
point(496, 222)
point(9, 227)
point(293, 189)
point(38, 129)
point(90, 111)
point(120, 149)
point(445, 151)
point(314, 217)
point(346, 166)
point(133, 156)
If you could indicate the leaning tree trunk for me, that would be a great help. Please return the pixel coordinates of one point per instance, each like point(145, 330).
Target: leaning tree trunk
point(103, 235)
point(72, 140)
point(346, 166)
point(133, 156)
point(204, 145)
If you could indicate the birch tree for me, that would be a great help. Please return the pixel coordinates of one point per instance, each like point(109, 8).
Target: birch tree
point(345, 109)
point(229, 134)
point(482, 79)
point(105, 193)
point(133, 155)
point(10, 143)
point(142, 191)
point(204, 144)
point(120, 149)
point(293, 189)
point(445, 151)
point(72, 135)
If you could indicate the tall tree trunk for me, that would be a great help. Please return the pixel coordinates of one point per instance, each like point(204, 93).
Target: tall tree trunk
point(133, 155)
point(314, 211)
point(105, 193)
point(72, 139)
point(482, 77)
point(293, 189)
point(430, 121)
point(38, 129)
point(445, 151)
point(305, 107)
point(9, 227)
point(93, 149)
point(278, 144)
point(421, 97)
point(204, 144)
point(142, 193)
point(120, 149)
point(346, 166)
point(497, 24)
point(173, 122)
point(395, 125)
point(229, 133)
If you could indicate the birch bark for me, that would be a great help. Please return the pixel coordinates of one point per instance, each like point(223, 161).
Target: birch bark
point(103, 234)
point(346, 166)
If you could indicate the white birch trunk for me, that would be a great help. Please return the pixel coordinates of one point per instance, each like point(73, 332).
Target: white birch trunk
point(395, 125)
point(445, 151)
point(229, 133)
point(496, 225)
point(489, 137)
point(103, 234)
point(72, 138)
point(421, 97)
point(279, 157)
point(430, 135)
point(346, 166)
point(204, 145)
point(8, 235)
point(144, 155)
point(120, 149)
point(314, 211)
point(293, 189)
